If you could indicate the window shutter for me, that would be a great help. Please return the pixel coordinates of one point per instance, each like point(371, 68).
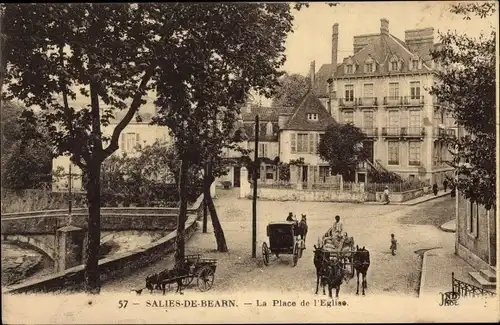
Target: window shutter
point(137, 139)
point(294, 143)
point(123, 142)
point(311, 142)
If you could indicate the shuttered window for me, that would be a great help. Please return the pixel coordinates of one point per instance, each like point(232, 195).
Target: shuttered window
point(294, 143)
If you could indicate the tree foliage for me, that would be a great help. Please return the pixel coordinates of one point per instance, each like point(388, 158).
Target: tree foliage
point(291, 88)
point(466, 83)
point(342, 147)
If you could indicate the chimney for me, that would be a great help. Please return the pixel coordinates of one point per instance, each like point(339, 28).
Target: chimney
point(312, 73)
point(384, 26)
point(335, 43)
point(420, 40)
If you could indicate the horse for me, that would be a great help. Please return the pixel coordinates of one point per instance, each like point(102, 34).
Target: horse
point(361, 264)
point(160, 280)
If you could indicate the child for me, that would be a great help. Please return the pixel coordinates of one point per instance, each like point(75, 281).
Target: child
point(394, 244)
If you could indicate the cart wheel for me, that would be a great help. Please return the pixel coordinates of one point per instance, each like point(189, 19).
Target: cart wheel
point(265, 253)
point(301, 249)
point(187, 280)
point(205, 278)
point(296, 254)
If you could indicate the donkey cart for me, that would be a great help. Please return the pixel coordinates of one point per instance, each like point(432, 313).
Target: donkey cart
point(201, 268)
point(283, 239)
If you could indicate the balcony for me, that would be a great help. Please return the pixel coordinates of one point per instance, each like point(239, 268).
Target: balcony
point(414, 163)
point(391, 132)
point(393, 101)
point(367, 101)
point(413, 100)
point(413, 131)
point(370, 132)
point(444, 133)
point(347, 102)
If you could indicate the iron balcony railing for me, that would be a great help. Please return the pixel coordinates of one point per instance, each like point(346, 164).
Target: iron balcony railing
point(413, 131)
point(391, 131)
point(444, 132)
point(348, 102)
point(414, 100)
point(367, 101)
point(370, 132)
point(393, 101)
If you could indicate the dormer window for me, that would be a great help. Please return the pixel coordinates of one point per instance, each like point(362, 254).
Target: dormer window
point(394, 66)
point(414, 64)
point(369, 67)
point(395, 63)
point(269, 129)
point(349, 68)
point(312, 116)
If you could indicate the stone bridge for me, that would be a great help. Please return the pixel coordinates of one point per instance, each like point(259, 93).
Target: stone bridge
point(60, 235)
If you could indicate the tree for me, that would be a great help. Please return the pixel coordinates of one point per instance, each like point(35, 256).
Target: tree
point(291, 88)
point(107, 53)
point(228, 50)
point(342, 147)
point(466, 82)
point(26, 153)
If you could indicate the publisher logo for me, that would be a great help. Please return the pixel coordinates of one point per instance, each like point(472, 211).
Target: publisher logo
point(449, 298)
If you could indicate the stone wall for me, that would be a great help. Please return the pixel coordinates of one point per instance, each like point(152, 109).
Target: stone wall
point(400, 196)
point(280, 194)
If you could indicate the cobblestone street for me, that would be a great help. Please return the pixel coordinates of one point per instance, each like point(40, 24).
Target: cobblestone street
point(371, 226)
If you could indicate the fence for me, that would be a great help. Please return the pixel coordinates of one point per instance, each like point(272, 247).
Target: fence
point(394, 187)
point(274, 184)
point(468, 290)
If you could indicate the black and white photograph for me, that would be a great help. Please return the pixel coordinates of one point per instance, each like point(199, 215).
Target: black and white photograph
point(249, 162)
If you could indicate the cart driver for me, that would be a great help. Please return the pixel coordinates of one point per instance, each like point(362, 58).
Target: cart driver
point(337, 227)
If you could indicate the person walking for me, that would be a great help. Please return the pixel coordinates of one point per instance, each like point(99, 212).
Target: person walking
point(386, 195)
point(394, 244)
point(435, 189)
point(445, 185)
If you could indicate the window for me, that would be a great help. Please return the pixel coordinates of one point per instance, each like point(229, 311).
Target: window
point(130, 141)
point(262, 149)
point(414, 64)
point(302, 142)
point(312, 142)
point(320, 138)
point(393, 123)
point(269, 129)
point(414, 153)
point(369, 67)
point(269, 172)
point(368, 119)
point(312, 116)
point(324, 172)
point(472, 218)
point(393, 90)
point(393, 152)
point(349, 68)
point(348, 117)
point(414, 119)
point(415, 89)
point(368, 90)
point(394, 66)
point(349, 93)
point(293, 143)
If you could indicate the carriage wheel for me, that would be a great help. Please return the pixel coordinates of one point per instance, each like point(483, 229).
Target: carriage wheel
point(296, 254)
point(265, 253)
point(205, 278)
point(187, 280)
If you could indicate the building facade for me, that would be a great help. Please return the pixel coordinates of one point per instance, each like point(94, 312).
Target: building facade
point(383, 88)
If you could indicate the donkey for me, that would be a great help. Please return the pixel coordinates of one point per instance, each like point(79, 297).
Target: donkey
point(334, 273)
point(361, 264)
point(175, 275)
point(318, 264)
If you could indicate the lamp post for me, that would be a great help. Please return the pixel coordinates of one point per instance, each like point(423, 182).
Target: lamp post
point(254, 199)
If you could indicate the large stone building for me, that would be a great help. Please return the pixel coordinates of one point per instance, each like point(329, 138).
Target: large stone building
point(383, 89)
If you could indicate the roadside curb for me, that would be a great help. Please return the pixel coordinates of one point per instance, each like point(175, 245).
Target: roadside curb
point(446, 228)
point(427, 199)
point(423, 273)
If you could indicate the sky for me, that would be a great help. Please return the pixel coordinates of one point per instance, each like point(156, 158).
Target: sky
point(311, 39)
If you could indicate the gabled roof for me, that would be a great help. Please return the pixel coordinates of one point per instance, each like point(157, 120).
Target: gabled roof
point(381, 48)
point(249, 128)
point(309, 104)
point(265, 113)
point(321, 79)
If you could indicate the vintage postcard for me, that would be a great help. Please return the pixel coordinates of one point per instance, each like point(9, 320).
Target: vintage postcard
point(253, 162)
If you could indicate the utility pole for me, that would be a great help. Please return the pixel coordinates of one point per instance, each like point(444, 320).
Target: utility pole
point(254, 200)
point(70, 186)
point(205, 212)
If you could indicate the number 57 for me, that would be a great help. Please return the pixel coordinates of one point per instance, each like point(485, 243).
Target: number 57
point(122, 303)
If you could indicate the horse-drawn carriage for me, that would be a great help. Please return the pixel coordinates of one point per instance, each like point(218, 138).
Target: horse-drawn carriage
point(340, 248)
point(283, 239)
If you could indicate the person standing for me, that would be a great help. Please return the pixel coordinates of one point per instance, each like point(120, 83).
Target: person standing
point(435, 189)
point(386, 195)
point(394, 244)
